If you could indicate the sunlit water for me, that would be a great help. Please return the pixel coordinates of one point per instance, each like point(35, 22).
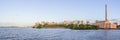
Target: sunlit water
point(57, 34)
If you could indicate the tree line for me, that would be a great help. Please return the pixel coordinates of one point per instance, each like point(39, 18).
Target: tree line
point(70, 26)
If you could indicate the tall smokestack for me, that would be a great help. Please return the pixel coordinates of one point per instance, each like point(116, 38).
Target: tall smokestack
point(106, 15)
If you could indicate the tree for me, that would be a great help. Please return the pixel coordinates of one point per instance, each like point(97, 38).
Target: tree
point(118, 26)
point(82, 26)
point(39, 26)
point(75, 26)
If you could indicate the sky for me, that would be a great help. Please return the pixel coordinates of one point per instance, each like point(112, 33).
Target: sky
point(27, 12)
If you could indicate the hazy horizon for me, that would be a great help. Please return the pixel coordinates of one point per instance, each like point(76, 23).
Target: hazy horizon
point(27, 12)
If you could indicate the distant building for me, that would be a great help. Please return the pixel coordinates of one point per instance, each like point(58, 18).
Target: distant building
point(88, 22)
point(66, 22)
point(82, 22)
point(75, 21)
point(51, 23)
point(43, 23)
point(116, 23)
point(106, 23)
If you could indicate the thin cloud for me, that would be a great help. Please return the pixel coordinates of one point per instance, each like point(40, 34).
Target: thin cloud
point(117, 19)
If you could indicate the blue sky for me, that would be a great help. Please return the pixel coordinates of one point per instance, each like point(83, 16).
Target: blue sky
point(27, 12)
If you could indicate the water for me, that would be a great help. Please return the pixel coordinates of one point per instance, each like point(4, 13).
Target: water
point(57, 34)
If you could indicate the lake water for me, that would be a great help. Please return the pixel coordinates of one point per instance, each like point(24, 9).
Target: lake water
point(57, 34)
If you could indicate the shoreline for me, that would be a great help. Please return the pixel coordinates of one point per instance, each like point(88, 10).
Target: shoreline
point(82, 29)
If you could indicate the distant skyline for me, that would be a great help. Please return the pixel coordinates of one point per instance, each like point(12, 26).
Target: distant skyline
point(27, 12)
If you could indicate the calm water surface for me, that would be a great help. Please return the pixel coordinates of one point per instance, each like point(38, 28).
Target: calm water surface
point(57, 34)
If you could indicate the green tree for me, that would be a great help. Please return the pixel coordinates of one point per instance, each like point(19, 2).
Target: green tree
point(39, 26)
point(75, 26)
point(118, 26)
point(82, 26)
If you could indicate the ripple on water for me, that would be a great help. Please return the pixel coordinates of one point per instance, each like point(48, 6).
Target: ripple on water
point(57, 34)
